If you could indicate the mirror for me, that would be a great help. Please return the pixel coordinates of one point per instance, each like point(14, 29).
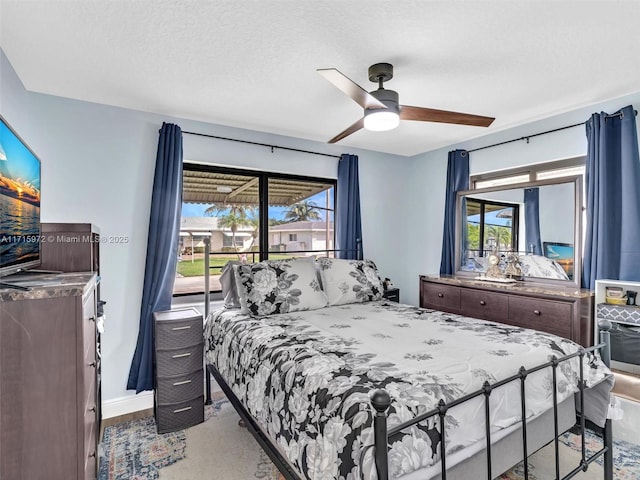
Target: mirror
point(540, 221)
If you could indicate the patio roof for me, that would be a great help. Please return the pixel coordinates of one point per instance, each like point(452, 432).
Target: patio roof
point(212, 187)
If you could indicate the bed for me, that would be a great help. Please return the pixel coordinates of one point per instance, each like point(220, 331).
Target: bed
point(322, 370)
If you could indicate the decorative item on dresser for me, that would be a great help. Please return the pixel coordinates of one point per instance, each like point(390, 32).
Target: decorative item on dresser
point(179, 368)
point(48, 405)
point(392, 294)
point(563, 311)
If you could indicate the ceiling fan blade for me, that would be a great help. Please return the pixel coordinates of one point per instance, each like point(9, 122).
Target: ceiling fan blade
point(345, 133)
point(443, 116)
point(352, 89)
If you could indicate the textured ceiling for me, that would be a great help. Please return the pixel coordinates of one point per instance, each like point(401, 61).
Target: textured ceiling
point(252, 64)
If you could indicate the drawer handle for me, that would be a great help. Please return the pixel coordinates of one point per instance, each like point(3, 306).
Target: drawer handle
point(181, 355)
point(441, 295)
point(536, 312)
point(482, 302)
point(182, 410)
point(186, 327)
point(184, 382)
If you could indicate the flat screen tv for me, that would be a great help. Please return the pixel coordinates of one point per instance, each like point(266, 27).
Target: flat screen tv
point(19, 203)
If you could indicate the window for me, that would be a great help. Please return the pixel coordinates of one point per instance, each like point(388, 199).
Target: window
point(540, 171)
point(491, 225)
point(249, 215)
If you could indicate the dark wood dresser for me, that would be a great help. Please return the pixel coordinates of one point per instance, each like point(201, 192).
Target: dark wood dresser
point(48, 390)
point(179, 368)
point(566, 312)
point(75, 247)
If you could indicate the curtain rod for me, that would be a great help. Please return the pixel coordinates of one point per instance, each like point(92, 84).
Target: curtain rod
point(262, 144)
point(543, 133)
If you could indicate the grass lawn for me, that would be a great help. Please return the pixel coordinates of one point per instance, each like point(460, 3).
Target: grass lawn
point(186, 268)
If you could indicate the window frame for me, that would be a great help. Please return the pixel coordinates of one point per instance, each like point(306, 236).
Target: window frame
point(515, 224)
point(481, 181)
point(263, 200)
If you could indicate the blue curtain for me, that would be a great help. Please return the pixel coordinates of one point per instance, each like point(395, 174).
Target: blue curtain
point(457, 180)
point(162, 250)
point(533, 243)
point(612, 246)
point(348, 222)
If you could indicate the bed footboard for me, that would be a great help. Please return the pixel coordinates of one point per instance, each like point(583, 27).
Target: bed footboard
point(381, 402)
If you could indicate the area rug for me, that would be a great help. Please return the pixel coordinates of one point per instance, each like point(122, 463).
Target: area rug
point(219, 449)
point(626, 460)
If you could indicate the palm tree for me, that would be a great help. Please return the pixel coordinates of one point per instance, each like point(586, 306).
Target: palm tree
point(302, 212)
point(254, 222)
point(501, 234)
point(231, 217)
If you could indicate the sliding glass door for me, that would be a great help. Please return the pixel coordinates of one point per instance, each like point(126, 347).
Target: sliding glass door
point(301, 215)
point(249, 216)
point(223, 208)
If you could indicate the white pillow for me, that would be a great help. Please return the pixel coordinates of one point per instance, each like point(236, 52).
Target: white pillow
point(350, 281)
point(280, 286)
point(538, 266)
point(228, 285)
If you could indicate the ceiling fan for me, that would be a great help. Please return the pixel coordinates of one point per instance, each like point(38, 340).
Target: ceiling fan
point(381, 108)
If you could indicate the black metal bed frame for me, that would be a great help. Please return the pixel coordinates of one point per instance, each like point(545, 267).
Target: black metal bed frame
point(381, 402)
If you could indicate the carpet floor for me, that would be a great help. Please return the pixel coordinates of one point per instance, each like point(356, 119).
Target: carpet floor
point(220, 449)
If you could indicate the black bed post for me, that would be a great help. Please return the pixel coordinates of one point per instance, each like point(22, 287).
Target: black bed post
point(207, 380)
point(381, 401)
point(207, 303)
point(605, 353)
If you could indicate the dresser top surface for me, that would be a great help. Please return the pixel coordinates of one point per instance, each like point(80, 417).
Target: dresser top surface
point(46, 285)
point(518, 287)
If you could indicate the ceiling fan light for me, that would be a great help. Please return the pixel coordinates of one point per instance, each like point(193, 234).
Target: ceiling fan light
point(381, 120)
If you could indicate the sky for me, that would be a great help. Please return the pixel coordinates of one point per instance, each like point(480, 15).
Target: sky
point(19, 162)
point(491, 218)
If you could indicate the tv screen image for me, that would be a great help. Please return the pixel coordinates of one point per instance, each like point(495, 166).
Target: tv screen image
point(19, 203)
point(561, 253)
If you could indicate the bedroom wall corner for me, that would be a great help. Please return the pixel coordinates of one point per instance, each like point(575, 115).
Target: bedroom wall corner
point(14, 106)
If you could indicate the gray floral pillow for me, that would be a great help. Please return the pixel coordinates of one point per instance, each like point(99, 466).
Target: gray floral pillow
point(268, 288)
point(350, 281)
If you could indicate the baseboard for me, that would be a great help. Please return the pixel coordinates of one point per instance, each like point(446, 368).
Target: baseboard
point(129, 404)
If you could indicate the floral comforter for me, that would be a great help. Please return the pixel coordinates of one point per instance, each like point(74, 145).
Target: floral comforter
point(307, 378)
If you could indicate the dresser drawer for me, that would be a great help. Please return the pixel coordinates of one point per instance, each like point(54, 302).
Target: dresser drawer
point(177, 416)
point(90, 450)
point(545, 315)
point(440, 297)
point(178, 331)
point(170, 363)
point(89, 384)
point(89, 325)
point(180, 388)
point(484, 305)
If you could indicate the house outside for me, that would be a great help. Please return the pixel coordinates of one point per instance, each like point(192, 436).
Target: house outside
point(193, 231)
point(286, 237)
point(305, 236)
